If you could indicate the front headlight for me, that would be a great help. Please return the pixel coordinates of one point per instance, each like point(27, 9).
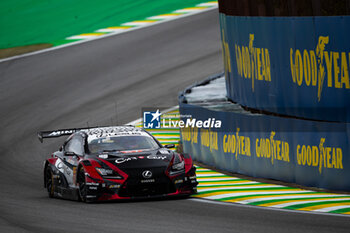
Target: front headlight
point(109, 173)
point(178, 166)
point(104, 171)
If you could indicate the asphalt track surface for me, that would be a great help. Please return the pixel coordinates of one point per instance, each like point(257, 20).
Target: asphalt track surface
point(95, 82)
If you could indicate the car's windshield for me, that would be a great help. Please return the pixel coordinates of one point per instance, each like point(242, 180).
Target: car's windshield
point(121, 143)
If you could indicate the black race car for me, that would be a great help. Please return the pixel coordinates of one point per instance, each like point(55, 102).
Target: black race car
point(120, 162)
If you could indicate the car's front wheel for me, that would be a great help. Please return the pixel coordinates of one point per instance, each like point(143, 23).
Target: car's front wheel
point(82, 184)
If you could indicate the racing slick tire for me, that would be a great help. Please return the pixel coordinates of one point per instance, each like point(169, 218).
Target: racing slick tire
point(82, 184)
point(49, 183)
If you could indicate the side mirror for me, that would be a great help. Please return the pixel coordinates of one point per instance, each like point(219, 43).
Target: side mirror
point(169, 146)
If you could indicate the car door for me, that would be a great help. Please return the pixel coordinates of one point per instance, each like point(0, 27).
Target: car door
point(73, 151)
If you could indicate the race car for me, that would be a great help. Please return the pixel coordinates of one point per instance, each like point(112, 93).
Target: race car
point(112, 163)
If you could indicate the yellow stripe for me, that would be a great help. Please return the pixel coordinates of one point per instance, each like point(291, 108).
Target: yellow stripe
point(228, 182)
point(276, 195)
point(243, 192)
point(213, 174)
point(167, 140)
point(207, 171)
point(92, 34)
point(323, 206)
point(166, 135)
point(176, 111)
point(298, 200)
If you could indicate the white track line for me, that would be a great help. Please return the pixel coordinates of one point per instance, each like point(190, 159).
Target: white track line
point(327, 209)
point(160, 17)
point(214, 202)
point(307, 202)
point(216, 179)
point(227, 185)
point(111, 30)
point(286, 198)
point(138, 23)
point(211, 174)
point(207, 4)
point(85, 37)
point(235, 187)
point(253, 193)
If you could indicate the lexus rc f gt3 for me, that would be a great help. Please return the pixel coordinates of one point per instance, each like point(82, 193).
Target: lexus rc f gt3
point(119, 162)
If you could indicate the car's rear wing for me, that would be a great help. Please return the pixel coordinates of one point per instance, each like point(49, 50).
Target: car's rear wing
point(57, 133)
point(65, 132)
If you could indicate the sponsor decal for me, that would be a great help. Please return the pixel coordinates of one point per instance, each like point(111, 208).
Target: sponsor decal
point(122, 160)
point(148, 181)
point(59, 165)
point(252, 63)
point(103, 156)
point(318, 68)
point(164, 151)
point(178, 181)
point(205, 137)
point(320, 156)
point(226, 54)
point(58, 133)
point(91, 183)
point(72, 161)
point(120, 130)
point(68, 171)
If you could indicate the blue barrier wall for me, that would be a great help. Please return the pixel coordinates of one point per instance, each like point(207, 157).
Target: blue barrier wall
point(309, 153)
point(296, 66)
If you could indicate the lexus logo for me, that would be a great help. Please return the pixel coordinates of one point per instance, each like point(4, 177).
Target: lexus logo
point(147, 174)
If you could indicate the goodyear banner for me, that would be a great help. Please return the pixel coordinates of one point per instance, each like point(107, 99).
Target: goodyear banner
point(305, 152)
point(295, 66)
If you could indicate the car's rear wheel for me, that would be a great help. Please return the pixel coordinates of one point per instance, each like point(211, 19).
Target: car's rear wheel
point(50, 186)
point(82, 184)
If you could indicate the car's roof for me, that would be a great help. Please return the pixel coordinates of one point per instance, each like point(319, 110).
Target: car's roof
point(114, 131)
